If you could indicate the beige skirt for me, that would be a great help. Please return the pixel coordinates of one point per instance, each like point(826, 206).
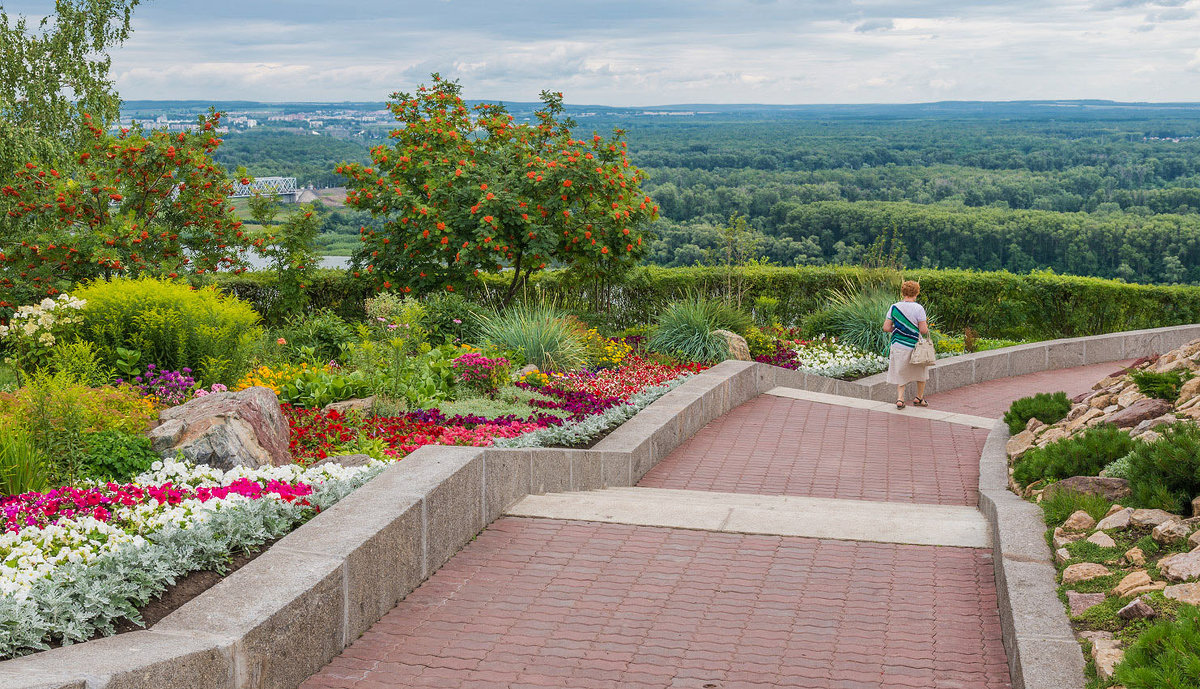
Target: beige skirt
point(900, 371)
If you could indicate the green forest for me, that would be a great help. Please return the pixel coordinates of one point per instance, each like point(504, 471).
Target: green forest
point(1112, 194)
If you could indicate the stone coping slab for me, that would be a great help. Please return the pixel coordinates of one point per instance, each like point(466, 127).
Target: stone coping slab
point(884, 407)
point(1040, 644)
point(287, 613)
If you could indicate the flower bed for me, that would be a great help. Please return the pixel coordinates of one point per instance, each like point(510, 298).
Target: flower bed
point(74, 561)
point(826, 357)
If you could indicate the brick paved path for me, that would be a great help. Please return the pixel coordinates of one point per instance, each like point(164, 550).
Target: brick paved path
point(779, 446)
point(994, 397)
point(582, 605)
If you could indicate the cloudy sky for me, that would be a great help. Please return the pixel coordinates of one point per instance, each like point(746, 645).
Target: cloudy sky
point(646, 52)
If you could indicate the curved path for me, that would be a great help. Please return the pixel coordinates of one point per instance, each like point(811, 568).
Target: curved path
point(799, 541)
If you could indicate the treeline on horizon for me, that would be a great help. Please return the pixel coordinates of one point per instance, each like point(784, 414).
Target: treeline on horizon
point(1109, 197)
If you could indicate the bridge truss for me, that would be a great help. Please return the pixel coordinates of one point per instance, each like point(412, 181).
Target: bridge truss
point(280, 186)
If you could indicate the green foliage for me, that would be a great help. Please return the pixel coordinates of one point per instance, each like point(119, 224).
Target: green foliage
point(685, 329)
point(1166, 473)
point(23, 468)
point(1165, 656)
point(1063, 503)
point(172, 326)
point(1044, 406)
point(393, 373)
point(1082, 455)
point(289, 250)
point(316, 388)
point(539, 334)
point(760, 343)
point(77, 360)
point(322, 333)
point(117, 455)
point(451, 318)
point(855, 316)
point(1164, 386)
point(1120, 468)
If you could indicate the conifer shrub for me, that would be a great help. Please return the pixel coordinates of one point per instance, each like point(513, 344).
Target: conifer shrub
point(1082, 455)
point(1045, 407)
point(1164, 386)
point(1165, 656)
point(1165, 474)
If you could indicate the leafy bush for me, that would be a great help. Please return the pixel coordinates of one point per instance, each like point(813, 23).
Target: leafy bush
point(321, 334)
point(451, 318)
point(315, 388)
point(856, 316)
point(542, 335)
point(1044, 406)
point(420, 381)
point(685, 329)
point(1166, 473)
point(760, 343)
point(77, 360)
point(1063, 503)
point(23, 468)
point(171, 325)
point(118, 456)
point(1083, 455)
point(1164, 386)
point(1165, 656)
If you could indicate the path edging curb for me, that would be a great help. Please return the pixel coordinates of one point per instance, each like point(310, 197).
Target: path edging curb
point(1038, 639)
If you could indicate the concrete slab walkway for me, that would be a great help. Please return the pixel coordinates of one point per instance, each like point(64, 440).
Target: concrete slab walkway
point(670, 584)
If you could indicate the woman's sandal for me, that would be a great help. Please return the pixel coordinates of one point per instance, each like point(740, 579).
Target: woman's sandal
point(899, 404)
point(920, 402)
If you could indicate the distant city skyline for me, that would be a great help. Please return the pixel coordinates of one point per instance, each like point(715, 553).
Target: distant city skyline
point(626, 53)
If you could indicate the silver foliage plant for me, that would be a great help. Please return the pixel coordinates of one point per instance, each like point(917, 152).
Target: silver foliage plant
point(583, 430)
point(83, 600)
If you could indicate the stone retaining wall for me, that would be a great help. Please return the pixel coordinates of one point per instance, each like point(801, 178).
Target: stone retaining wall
point(284, 615)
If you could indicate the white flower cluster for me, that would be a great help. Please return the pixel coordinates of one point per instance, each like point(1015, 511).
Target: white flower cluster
point(35, 552)
point(38, 321)
point(837, 360)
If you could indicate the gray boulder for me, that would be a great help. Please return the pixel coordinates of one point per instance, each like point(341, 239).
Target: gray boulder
point(226, 429)
point(1110, 488)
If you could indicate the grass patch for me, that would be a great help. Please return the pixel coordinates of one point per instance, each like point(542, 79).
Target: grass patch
point(1064, 503)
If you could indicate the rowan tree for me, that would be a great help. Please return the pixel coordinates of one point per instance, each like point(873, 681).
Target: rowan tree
point(128, 203)
point(463, 191)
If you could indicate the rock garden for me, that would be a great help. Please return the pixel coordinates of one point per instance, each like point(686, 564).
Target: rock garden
point(1117, 474)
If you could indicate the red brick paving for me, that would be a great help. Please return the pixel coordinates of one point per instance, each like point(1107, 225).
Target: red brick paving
point(781, 446)
point(993, 398)
point(543, 603)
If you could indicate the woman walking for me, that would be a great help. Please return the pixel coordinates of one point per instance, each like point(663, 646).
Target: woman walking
point(906, 321)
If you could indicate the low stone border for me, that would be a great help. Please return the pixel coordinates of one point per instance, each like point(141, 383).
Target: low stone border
point(1041, 646)
point(968, 369)
point(287, 613)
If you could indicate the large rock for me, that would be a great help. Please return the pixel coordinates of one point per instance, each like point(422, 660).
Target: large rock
point(1110, 488)
point(1131, 581)
point(1137, 609)
point(1141, 410)
point(738, 349)
point(1084, 571)
point(1190, 389)
point(1102, 539)
point(1173, 531)
point(1020, 443)
point(1080, 603)
point(345, 460)
point(1151, 517)
point(1181, 566)
point(1079, 521)
point(225, 429)
point(1106, 652)
point(1184, 593)
point(358, 405)
point(1116, 520)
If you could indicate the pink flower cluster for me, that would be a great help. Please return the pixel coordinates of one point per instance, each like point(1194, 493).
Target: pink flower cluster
point(44, 509)
point(481, 435)
point(474, 367)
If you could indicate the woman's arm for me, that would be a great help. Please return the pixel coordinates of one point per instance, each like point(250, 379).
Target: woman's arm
point(923, 326)
point(887, 325)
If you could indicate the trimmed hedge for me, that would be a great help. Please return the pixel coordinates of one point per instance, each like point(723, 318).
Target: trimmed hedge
point(1000, 304)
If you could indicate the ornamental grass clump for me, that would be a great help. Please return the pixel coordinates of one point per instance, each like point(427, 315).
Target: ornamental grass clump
point(1045, 407)
point(1083, 455)
point(542, 335)
point(855, 316)
point(685, 330)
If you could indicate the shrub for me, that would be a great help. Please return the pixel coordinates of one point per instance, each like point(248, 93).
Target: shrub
point(1044, 406)
point(23, 468)
point(171, 325)
point(1083, 455)
point(315, 388)
point(77, 360)
point(322, 335)
point(541, 334)
point(604, 352)
point(1164, 386)
point(33, 330)
point(118, 456)
point(1166, 473)
point(760, 343)
point(1165, 656)
point(685, 329)
point(451, 318)
point(1063, 503)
